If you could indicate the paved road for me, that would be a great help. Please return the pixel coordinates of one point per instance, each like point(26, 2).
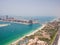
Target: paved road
point(57, 38)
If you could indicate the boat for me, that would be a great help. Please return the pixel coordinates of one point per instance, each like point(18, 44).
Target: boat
point(2, 25)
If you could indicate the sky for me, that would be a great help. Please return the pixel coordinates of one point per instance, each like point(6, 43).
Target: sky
point(30, 7)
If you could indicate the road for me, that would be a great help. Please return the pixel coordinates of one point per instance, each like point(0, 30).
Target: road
point(57, 38)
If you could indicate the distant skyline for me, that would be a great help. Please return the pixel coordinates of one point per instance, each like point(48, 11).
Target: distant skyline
point(30, 7)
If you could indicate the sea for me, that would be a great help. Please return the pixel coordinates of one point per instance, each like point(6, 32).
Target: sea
point(14, 31)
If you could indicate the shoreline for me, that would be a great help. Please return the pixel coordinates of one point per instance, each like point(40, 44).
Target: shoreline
point(31, 33)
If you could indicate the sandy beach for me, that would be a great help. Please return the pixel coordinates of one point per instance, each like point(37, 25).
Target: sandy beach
point(14, 43)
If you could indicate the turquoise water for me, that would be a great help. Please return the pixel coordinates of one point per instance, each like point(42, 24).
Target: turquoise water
point(14, 31)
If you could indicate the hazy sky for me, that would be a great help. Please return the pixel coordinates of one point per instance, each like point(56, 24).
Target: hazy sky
point(30, 7)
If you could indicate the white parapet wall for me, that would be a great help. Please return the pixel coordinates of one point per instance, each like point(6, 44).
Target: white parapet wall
point(59, 41)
